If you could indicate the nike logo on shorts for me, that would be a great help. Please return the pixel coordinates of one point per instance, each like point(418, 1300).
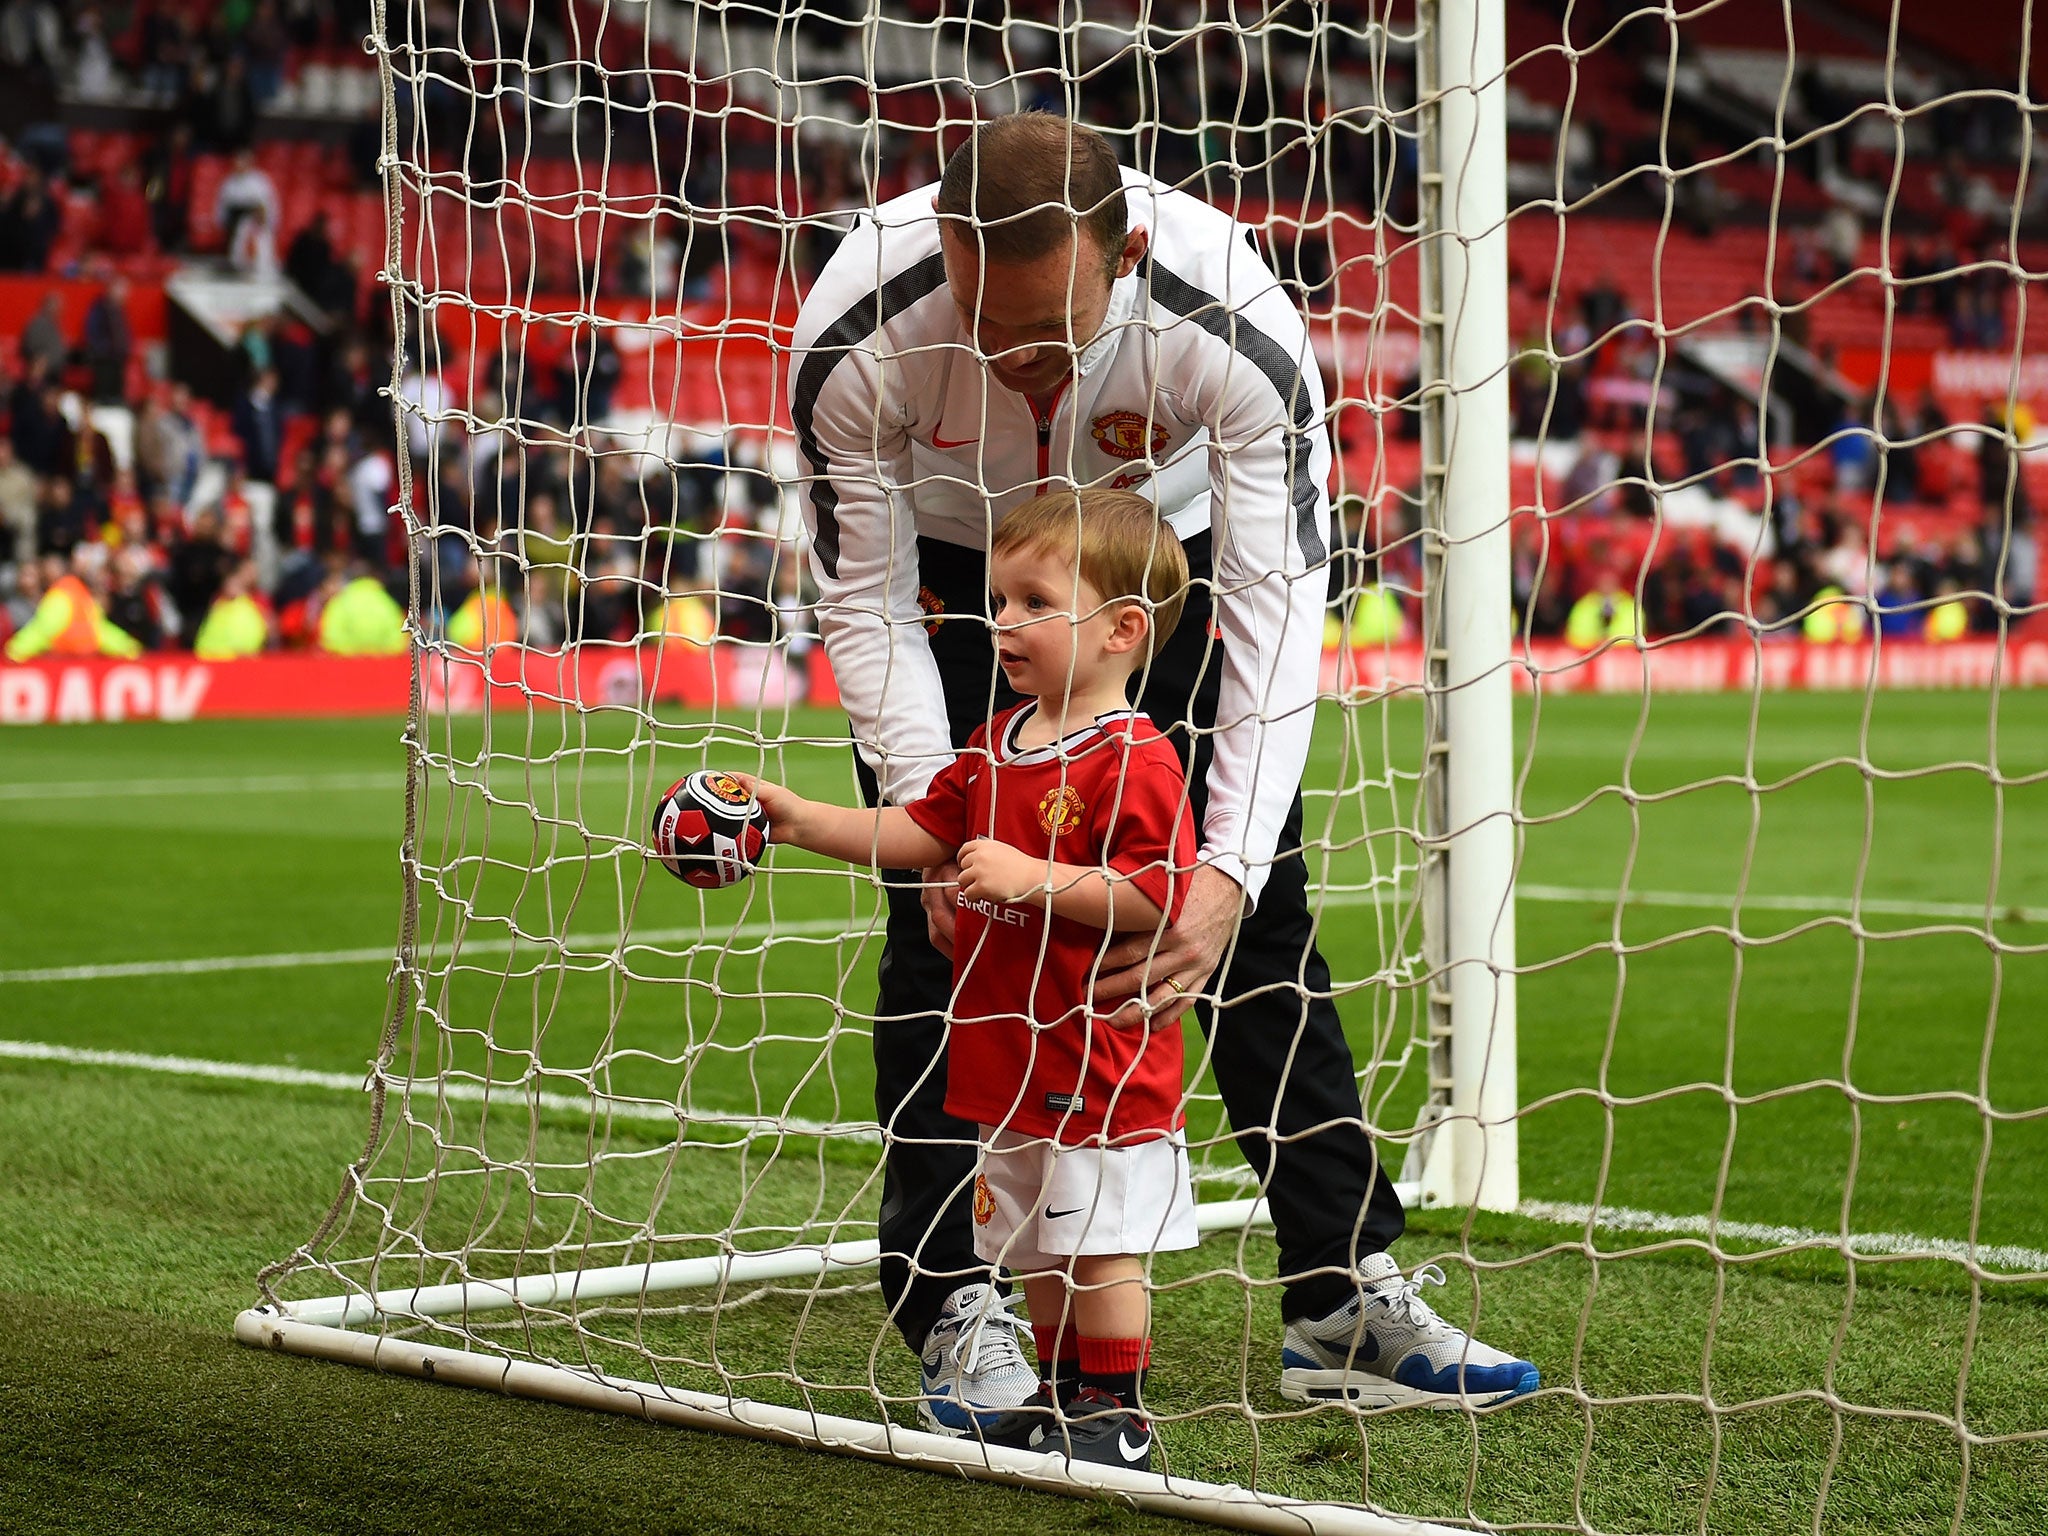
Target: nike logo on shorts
point(1053, 1215)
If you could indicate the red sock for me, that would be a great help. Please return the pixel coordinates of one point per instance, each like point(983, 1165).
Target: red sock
point(1116, 1366)
point(1059, 1358)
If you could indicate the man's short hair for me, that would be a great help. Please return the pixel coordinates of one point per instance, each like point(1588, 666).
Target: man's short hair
point(1025, 182)
point(1125, 549)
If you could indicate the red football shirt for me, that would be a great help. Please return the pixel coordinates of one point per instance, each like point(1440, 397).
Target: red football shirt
point(1029, 1051)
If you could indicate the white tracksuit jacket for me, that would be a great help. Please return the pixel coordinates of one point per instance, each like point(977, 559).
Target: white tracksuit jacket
point(1200, 391)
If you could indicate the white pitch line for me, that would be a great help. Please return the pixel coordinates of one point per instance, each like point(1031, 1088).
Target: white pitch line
point(1621, 1218)
point(580, 944)
point(1877, 906)
point(501, 775)
point(1604, 1218)
point(602, 944)
point(280, 783)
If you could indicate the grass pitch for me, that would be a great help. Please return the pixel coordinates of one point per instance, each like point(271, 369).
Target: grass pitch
point(1784, 1061)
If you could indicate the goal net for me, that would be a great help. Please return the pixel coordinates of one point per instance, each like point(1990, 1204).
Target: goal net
point(1672, 821)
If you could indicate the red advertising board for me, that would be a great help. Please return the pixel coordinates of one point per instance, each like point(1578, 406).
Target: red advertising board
point(1722, 666)
point(745, 678)
point(181, 687)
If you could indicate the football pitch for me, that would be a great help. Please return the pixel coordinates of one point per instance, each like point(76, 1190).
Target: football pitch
point(1855, 1046)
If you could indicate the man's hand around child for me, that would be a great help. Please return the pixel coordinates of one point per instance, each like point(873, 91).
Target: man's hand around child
point(994, 871)
point(1156, 978)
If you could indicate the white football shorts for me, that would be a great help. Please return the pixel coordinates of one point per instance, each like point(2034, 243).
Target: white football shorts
point(1038, 1204)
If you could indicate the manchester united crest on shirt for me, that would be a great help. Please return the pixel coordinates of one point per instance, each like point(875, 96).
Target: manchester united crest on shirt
point(1124, 435)
point(1060, 811)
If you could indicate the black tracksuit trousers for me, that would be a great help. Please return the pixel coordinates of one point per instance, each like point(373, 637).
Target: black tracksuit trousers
point(1277, 1046)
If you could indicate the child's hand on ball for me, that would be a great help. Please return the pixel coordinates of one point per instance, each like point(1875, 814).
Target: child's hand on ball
point(994, 871)
point(785, 807)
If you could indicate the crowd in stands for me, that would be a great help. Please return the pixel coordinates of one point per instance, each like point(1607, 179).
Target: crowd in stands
point(234, 523)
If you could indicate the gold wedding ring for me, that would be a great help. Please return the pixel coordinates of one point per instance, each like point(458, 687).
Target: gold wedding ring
point(1171, 982)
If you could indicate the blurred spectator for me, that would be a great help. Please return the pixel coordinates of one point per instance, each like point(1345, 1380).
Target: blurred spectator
point(1841, 239)
point(31, 37)
point(239, 623)
point(1608, 612)
point(252, 250)
point(136, 603)
point(264, 43)
point(587, 377)
point(29, 221)
point(686, 619)
point(318, 272)
point(1898, 617)
point(2007, 518)
point(167, 185)
point(426, 399)
point(224, 105)
point(18, 605)
point(1949, 618)
point(357, 617)
point(372, 483)
point(200, 563)
point(246, 192)
point(109, 342)
point(485, 620)
point(168, 449)
point(1853, 448)
point(61, 524)
point(1845, 562)
point(42, 339)
point(1833, 618)
point(92, 61)
point(17, 506)
point(69, 620)
point(259, 423)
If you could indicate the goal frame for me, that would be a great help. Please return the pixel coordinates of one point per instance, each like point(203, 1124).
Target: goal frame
point(1462, 1150)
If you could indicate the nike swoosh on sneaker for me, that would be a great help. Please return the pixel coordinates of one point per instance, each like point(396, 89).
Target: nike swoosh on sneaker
point(1131, 1452)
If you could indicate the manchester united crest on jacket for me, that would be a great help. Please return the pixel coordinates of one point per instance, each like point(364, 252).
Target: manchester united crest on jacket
point(1122, 435)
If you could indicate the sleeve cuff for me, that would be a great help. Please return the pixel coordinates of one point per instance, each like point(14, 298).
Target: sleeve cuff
point(1252, 880)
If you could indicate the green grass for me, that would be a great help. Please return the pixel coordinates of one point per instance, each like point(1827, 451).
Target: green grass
point(1780, 1065)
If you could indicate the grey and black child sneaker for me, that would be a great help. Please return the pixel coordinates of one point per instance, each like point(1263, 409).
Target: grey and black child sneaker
point(1387, 1348)
point(1093, 1427)
point(974, 1362)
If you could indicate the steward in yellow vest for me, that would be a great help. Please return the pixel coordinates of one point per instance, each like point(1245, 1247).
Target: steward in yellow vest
point(484, 621)
point(237, 624)
point(1836, 618)
point(69, 621)
point(362, 620)
point(1605, 613)
point(1377, 618)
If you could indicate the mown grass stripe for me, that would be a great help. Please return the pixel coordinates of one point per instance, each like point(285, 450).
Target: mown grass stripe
point(2005, 1256)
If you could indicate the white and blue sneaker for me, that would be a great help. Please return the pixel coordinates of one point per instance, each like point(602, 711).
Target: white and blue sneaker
point(1387, 1348)
point(974, 1362)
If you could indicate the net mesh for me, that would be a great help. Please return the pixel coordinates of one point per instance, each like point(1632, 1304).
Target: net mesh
point(1779, 782)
